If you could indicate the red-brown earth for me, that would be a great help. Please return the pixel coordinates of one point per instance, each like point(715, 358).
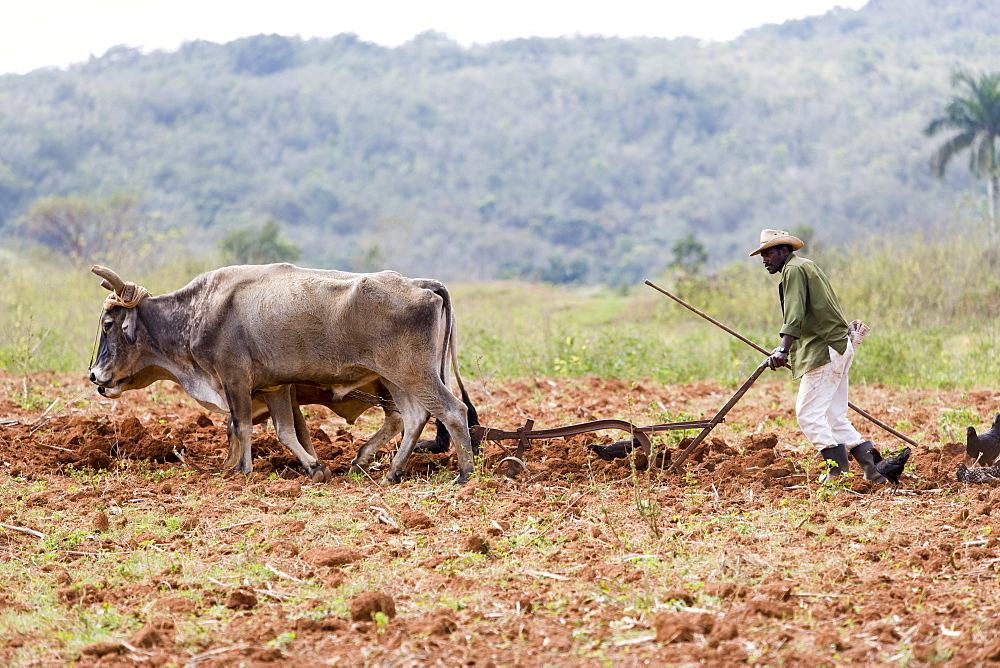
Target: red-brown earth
point(122, 542)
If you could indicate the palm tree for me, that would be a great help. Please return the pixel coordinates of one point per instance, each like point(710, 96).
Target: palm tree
point(975, 115)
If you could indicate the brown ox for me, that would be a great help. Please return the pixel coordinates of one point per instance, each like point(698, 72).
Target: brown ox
point(246, 340)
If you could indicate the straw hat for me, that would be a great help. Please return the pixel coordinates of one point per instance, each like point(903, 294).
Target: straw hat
point(771, 238)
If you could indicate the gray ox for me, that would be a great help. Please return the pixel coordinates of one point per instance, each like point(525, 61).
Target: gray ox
point(253, 340)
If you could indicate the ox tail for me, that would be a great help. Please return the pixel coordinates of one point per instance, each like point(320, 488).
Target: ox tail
point(473, 415)
point(449, 353)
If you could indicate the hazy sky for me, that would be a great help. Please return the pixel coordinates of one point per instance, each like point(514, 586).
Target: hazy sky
point(44, 33)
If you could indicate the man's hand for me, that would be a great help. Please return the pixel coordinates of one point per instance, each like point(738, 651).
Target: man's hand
point(778, 358)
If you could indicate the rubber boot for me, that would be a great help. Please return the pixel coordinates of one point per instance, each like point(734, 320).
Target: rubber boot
point(865, 454)
point(835, 458)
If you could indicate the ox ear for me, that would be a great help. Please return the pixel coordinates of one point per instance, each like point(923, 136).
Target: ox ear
point(130, 325)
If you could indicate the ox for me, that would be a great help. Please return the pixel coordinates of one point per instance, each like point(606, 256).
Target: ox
point(257, 340)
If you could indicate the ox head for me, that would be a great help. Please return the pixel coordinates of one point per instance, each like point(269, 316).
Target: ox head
point(117, 353)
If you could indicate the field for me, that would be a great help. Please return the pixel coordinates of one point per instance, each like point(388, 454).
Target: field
point(122, 543)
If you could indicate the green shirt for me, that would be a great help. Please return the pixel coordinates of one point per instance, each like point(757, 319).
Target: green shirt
point(812, 315)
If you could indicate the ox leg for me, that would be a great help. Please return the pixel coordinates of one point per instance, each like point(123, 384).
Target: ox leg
point(301, 427)
point(438, 401)
point(390, 428)
point(414, 416)
point(239, 430)
point(289, 424)
point(454, 415)
point(302, 431)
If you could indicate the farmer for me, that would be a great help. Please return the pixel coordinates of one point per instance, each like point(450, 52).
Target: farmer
point(815, 343)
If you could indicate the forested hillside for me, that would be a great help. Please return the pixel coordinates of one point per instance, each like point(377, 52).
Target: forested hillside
point(576, 159)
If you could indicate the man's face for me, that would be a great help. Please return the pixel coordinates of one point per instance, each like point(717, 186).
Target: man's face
point(774, 258)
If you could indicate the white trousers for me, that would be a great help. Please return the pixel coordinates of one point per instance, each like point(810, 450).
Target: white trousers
point(821, 406)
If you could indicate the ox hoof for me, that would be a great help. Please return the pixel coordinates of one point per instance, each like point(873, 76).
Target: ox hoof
point(392, 479)
point(320, 473)
point(462, 479)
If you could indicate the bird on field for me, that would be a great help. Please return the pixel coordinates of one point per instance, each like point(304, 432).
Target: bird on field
point(984, 448)
point(979, 475)
point(891, 467)
point(617, 450)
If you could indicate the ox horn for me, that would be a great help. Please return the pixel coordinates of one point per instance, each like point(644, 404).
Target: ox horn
point(112, 281)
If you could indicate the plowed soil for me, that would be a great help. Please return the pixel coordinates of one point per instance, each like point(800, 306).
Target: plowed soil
point(122, 542)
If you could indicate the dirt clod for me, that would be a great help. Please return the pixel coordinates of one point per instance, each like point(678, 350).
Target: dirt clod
point(413, 519)
point(673, 628)
point(241, 599)
point(476, 544)
point(102, 648)
point(157, 632)
point(286, 488)
point(366, 604)
point(434, 623)
point(178, 605)
point(332, 556)
point(101, 522)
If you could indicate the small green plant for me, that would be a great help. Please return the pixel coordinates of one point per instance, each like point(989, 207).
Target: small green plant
point(32, 399)
point(283, 640)
point(954, 422)
point(381, 621)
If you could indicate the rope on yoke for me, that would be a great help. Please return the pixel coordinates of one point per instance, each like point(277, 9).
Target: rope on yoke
point(129, 297)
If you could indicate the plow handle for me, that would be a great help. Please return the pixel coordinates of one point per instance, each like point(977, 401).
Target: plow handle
point(718, 417)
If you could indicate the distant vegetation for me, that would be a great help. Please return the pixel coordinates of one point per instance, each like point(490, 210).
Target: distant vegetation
point(579, 160)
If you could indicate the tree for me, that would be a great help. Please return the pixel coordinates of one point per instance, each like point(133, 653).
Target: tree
point(975, 115)
point(90, 229)
point(268, 244)
point(688, 255)
point(261, 55)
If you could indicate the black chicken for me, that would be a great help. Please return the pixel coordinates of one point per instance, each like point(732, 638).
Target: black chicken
point(617, 450)
point(984, 448)
point(978, 476)
point(891, 467)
